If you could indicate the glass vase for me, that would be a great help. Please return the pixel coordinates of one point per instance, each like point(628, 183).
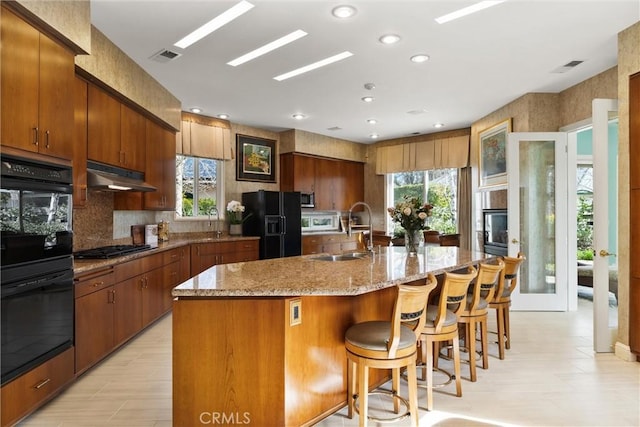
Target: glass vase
point(412, 239)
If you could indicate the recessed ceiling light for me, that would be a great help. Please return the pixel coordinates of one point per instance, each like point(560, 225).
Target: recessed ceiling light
point(343, 11)
point(223, 116)
point(372, 121)
point(282, 41)
point(438, 125)
point(369, 86)
point(196, 110)
point(368, 98)
point(310, 67)
point(389, 39)
point(299, 116)
point(421, 57)
point(374, 136)
point(467, 11)
point(217, 22)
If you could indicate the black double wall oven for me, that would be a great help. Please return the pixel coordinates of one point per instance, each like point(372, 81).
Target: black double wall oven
point(36, 272)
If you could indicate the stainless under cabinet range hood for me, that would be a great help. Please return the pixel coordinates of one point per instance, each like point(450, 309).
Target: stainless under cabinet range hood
point(111, 178)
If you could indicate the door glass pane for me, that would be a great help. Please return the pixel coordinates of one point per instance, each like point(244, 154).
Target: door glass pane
point(537, 216)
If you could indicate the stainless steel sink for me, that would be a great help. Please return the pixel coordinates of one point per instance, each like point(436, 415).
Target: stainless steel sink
point(341, 257)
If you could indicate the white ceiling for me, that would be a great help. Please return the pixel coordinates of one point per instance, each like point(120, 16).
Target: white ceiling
point(478, 63)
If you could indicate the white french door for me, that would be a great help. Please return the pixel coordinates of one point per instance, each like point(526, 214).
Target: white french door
point(537, 190)
point(605, 203)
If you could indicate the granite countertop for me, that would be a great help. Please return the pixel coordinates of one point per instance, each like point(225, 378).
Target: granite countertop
point(85, 265)
point(306, 275)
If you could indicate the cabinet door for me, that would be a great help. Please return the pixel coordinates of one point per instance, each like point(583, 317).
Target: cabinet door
point(20, 82)
point(57, 75)
point(161, 168)
point(152, 296)
point(79, 143)
point(128, 308)
point(238, 251)
point(171, 279)
point(326, 173)
point(132, 139)
point(185, 263)
point(203, 256)
point(103, 143)
point(304, 170)
point(353, 188)
point(94, 327)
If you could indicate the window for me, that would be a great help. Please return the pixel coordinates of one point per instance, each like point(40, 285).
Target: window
point(199, 187)
point(584, 188)
point(438, 187)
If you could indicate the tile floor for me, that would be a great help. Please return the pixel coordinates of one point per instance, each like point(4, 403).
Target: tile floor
point(550, 377)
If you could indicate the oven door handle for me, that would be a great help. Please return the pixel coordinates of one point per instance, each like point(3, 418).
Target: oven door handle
point(57, 278)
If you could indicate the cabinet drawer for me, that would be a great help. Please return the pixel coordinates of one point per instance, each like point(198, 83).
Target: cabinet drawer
point(246, 246)
point(137, 266)
point(25, 393)
point(170, 256)
point(93, 282)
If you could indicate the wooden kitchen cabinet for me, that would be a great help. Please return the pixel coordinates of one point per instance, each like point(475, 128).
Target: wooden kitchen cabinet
point(27, 392)
point(37, 80)
point(176, 270)
point(634, 212)
point(80, 143)
point(133, 134)
point(337, 184)
point(94, 317)
point(160, 172)
point(116, 133)
point(334, 243)
point(205, 255)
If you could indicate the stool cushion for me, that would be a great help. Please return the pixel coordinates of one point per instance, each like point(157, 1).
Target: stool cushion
point(482, 303)
point(374, 336)
point(432, 312)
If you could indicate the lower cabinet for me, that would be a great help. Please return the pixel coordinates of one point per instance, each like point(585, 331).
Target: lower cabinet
point(27, 392)
point(208, 254)
point(330, 243)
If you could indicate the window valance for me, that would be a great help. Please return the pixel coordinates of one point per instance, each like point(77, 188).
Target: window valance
point(441, 153)
point(195, 139)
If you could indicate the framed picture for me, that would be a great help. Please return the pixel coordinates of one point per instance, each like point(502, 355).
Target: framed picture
point(255, 159)
point(493, 154)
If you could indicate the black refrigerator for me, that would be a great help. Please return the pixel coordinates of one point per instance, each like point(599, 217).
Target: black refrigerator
point(275, 218)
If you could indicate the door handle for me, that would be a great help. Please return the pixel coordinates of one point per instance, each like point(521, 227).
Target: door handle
point(604, 253)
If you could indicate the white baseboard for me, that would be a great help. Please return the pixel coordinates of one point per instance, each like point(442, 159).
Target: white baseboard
point(623, 351)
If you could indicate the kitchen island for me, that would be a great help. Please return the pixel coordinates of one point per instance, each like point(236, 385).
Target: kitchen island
point(262, 342)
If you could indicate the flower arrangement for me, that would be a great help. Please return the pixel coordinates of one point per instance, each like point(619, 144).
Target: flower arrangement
point(411, 213)
point(235, 210)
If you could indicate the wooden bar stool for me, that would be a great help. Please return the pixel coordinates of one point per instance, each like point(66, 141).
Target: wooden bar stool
point(388, 345)
point(502, 300)
point(442, 325)
point(476, 312)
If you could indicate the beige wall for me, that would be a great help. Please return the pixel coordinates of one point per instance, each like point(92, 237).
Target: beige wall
point(69, 20)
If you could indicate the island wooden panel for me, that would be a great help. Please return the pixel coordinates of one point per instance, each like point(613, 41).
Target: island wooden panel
point(245, 360)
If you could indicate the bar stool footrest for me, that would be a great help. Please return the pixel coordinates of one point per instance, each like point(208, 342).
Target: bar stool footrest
point(393, 395)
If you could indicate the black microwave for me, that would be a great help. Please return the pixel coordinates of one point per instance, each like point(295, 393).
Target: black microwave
point(307, 200)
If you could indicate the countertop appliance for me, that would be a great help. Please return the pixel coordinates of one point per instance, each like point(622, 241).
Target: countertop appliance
point(36, 273)
point(308, 200)
point(113, 251)
point(274, 216)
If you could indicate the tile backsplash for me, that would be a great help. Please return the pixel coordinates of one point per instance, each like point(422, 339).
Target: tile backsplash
point(98, 224)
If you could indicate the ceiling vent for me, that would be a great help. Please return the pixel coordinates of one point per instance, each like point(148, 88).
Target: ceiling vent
point(335, 128)
point(567, 67)
point(165, 55)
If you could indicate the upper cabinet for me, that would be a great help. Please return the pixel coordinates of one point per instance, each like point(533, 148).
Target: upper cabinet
point(116, 133)
point(37, 78)
point(160, 172)
point(337, 184)
point(79, 143)
point(204, 140)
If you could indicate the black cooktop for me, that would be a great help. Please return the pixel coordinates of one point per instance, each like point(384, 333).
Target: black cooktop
point(112, 251)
